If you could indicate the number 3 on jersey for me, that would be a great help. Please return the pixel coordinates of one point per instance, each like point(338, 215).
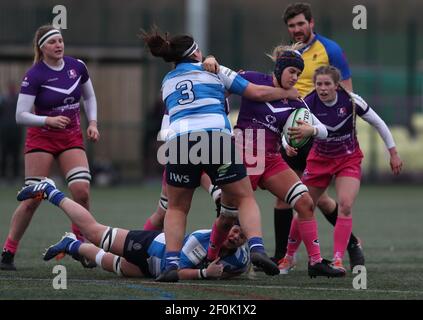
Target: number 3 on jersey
point(186, 92)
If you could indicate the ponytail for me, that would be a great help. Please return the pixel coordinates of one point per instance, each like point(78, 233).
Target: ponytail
point(171, 49)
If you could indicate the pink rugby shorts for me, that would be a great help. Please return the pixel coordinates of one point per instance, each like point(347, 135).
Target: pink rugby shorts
point(320, 170)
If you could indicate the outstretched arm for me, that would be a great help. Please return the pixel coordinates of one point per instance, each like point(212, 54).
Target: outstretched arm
point(395, 161)
point(266, 93)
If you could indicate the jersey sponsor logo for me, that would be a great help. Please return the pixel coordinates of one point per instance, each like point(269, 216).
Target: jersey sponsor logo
point(137, 246)
point(197, 254)
point(271, 119)
point(267, 125)
point(179, 178)
point(25, 82)
point(223, 169)
point(52, 79)
point(72, 74)
point(69, 100)
point(342, 112)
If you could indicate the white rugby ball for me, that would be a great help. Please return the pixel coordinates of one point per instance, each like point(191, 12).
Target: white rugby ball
point(298, 114)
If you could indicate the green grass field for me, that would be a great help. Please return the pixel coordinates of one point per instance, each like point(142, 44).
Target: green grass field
point(388, 219)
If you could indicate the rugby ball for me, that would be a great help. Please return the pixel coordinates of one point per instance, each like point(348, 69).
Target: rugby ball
point(298, 114)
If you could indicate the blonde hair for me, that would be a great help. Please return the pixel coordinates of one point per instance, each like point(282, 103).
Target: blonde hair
point(38, 54)
point(280, 49)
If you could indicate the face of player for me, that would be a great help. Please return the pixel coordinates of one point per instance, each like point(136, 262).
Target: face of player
point(326, 87)
point(197, 55)
point(299, 29)
point(235, 238)
point(53, 49)
point(290, 77)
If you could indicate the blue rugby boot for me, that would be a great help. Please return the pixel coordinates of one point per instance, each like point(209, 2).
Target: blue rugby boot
point(45, 189)
point(67, 245)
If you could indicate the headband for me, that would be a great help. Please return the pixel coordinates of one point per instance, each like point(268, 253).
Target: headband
point(288, 58)
point(47, 36)
point(190, 50)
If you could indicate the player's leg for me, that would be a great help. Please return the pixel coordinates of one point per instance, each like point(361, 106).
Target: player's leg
point(282, 219)
point(109, 262)
point(74, 165)
point(240, 195)
point(108, 238)
point(347, 189)
point(329, 208)
point(155, 221)
point(286, 185)
point(37, 166)
point(212, 189)
point(174, 227)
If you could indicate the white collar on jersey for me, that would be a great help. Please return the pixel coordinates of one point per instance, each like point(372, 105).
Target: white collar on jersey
point(58, 68)
point(332, 103)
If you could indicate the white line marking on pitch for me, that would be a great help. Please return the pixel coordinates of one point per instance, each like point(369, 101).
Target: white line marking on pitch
point(222, 285)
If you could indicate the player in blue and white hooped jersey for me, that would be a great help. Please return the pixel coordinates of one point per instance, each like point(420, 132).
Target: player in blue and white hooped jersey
point(138, 253)
point(195, 101)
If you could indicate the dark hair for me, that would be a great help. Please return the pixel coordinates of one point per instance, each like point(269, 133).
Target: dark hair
point(171, 49)
point(297, 8)
point(38, 55)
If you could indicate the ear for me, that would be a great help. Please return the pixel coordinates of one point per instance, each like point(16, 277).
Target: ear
point(197, 55)
point(312, 24)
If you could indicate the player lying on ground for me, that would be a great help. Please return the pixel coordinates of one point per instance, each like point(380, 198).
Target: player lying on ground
point(137, 253)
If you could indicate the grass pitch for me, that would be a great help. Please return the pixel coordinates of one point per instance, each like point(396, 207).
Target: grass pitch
point(388, 219)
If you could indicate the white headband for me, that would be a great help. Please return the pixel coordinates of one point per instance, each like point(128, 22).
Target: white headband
point(191, 50)
point(47, 37)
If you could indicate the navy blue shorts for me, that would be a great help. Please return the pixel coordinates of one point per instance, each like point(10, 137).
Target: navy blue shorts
point(136, 247)
point(219, 159)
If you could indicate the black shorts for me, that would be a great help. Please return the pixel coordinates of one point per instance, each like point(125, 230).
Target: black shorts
point(299, 162)
point(222, 163)
point(136, 247)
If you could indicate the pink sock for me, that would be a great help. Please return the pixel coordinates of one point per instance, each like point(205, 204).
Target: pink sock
point(77, 233)
point(309, 234)
point(341, 236)
point(217, 238)
point(294, 239)
point(148, 226)
point(11, 245)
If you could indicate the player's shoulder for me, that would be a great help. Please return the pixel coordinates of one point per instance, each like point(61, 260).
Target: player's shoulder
point(74, 62)
point(256, 77)
point(358, 100)
point(201, 233)
point(310, 96)
point(331, 46)
point(34, 74)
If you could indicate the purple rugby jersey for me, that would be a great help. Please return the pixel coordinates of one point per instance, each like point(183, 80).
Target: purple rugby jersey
point(339, 121)
point(57, 92)
point(270, 116)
